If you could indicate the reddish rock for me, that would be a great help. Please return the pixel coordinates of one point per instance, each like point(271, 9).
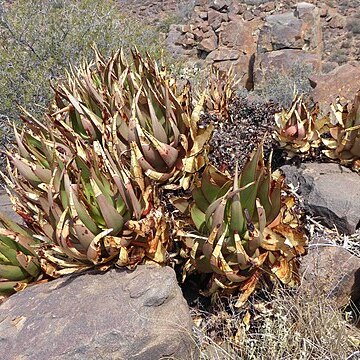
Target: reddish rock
point(199, 35)
point(239, 34)
point(311, 27)
point(236, 9)
point(243, 68)
point(222, 54)
point(215, 18)
point(209, 43)
point(334, 271)
point(342, 82)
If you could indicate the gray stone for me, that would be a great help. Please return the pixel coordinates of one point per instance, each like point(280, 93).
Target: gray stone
point(320, 270)
point(7, 208)
point(219, 4)
point(300, 29)
point(330, 192)
point(304, 9)
point(281, 31)
point(118, 314)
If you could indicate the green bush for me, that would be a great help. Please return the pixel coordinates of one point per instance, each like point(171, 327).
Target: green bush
point(280, 85)
point(40, 38)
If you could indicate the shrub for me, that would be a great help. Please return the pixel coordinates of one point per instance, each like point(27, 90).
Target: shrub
point(39, 38)
point(279, 86)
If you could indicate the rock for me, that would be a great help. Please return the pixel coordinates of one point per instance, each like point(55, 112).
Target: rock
point(219, 4)
point(248, 15)
point(324, 10)
point(174, 40)
point(209, 43)
point(300, 29)
point(7, 208)
point(223, 53)
point(236, 9)
point(337, 21)
point(113, 315)
point(283, 62)
point(342, 82)
point(311, 28)
point(203, 15)
point(239, 34)
point(304, 9)
point(281, 31)
point(320, 270)
point(255, 2)
point(243, 68)
point(270, 6)
point(330, 192)
point(215, 18)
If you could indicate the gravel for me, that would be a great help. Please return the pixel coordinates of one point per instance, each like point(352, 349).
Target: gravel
point(235, 139)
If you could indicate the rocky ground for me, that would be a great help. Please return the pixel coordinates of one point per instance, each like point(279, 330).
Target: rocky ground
point(270, 44)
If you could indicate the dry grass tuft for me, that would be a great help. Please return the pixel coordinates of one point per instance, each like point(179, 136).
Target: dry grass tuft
point(299, 324)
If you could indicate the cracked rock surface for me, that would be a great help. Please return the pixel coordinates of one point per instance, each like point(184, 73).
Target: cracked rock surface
point(118, 314)
point(330, 193)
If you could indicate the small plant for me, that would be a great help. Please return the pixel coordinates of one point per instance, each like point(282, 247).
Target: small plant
point(220, 89)
point(299, 129)
point(19, 263)
point(343, 144)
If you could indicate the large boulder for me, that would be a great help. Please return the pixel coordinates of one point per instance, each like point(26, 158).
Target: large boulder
point(280, 31)
point(237, 49)
point(118, 314)
point(320, 270)
point(342, 82)
point(300, 29)
point(330, 192)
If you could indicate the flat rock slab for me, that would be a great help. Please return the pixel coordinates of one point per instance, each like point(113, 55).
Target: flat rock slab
point(118, 314)
point(331, 193)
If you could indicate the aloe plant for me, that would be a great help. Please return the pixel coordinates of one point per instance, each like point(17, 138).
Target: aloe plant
point(245, 229)
point(220, 89)
point(343, 142)
point(80, 202)
point(299, 129)
point(19, 263)
point(134, 111)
